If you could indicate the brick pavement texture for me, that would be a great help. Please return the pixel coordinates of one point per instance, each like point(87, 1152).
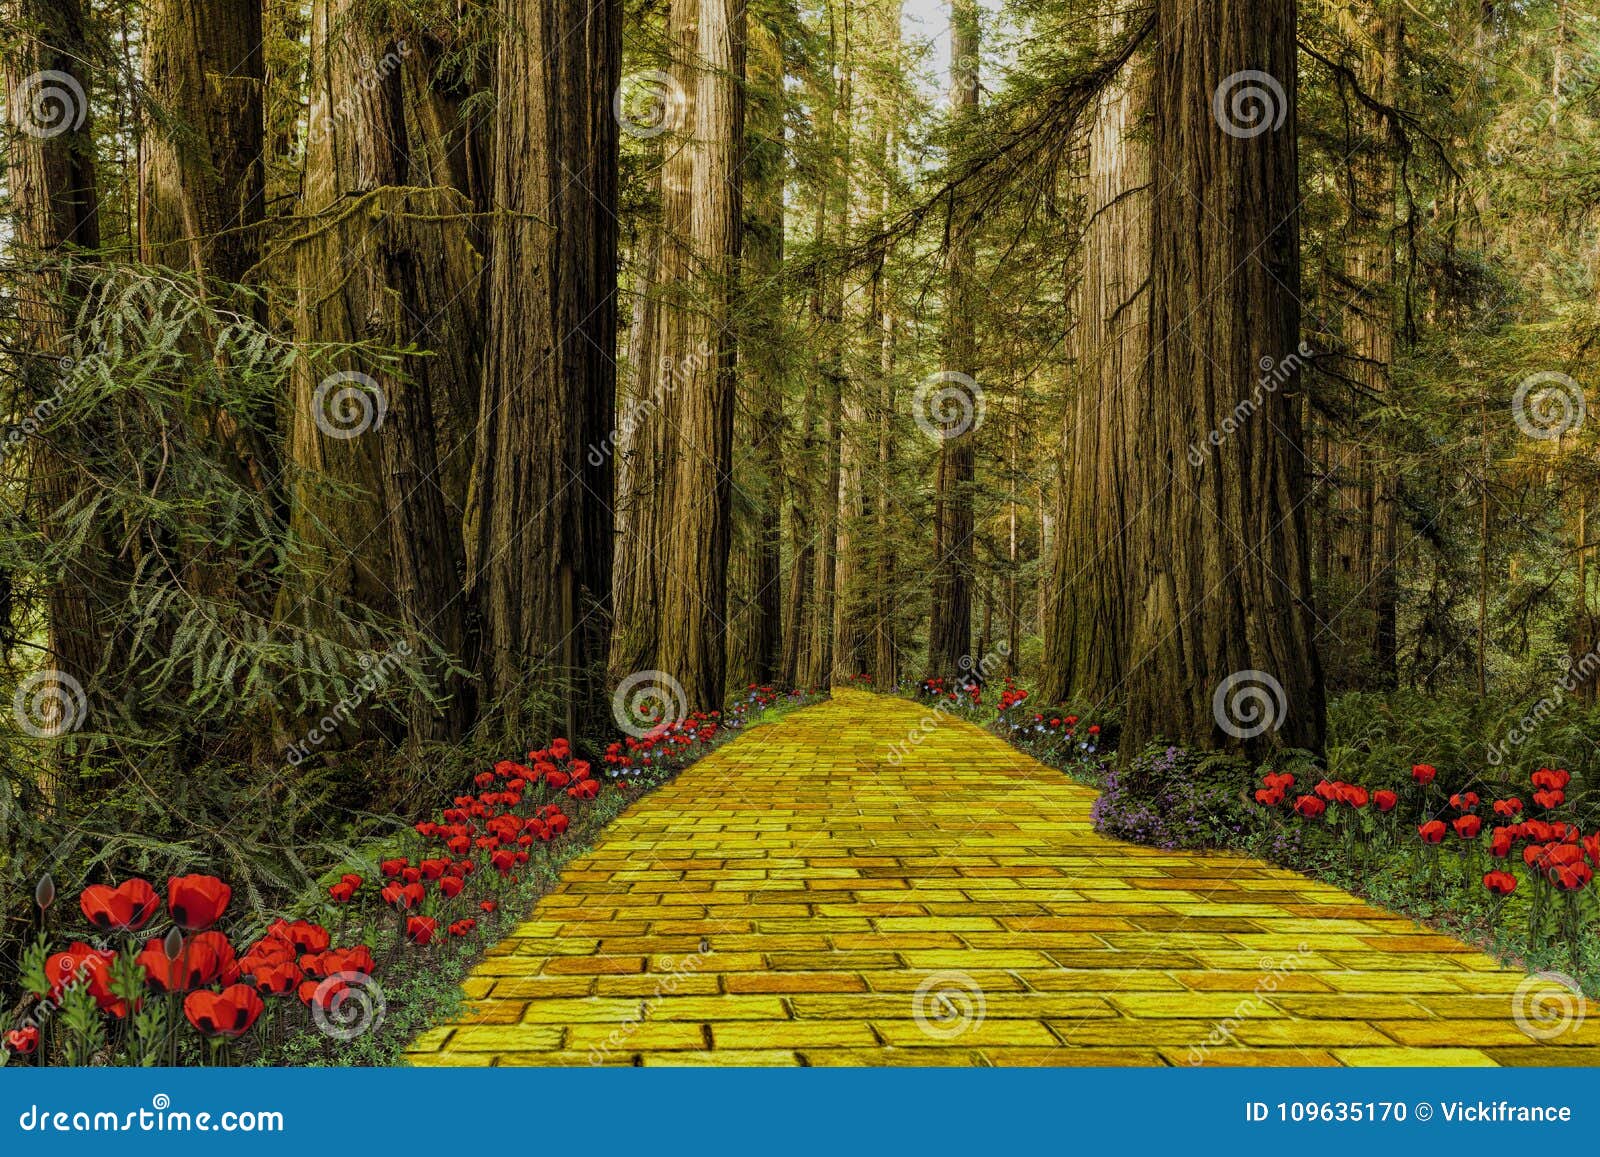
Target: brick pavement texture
point(803, 897)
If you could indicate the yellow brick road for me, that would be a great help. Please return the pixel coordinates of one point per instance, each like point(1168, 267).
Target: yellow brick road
point(801, 897)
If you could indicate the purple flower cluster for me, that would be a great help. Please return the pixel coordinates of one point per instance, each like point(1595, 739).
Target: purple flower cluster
point(1164, 800)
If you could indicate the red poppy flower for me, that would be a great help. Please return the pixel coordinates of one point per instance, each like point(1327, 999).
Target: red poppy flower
point(124, 908)
point(450, 887)
point(24, 1040)
point(503, 862)
point(1327, 790)
point(1550, 798)
point(1591, 848)
point(560, 748)
point(1500, 883)
point(341, 892)
point(1468, 826)
point(402, 896)
point(1551, 780)
point(303, 934)
point(392, 868)
point(1423, 773)
point(557, 779)
point(1310, 806)
point(1507, 807)
point(1269, 797)
point(228, 1013)
point(1385, 800)
point(193, 967)
point(462, 927)
point(586, 789)
point(1500, 842)
point(420, 929)
point(488, 905)
point(558, 823)
point(226, 970)
point(81, 962)
point(1353, 795)
point(320, 992)
point(1279, 781)
point(197, 901)
point(276, 979)
point(1464, 801)
point(1432, 832)
point(1571, 877)
point(357, 958)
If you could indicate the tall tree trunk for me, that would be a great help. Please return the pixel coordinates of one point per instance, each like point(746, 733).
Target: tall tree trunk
point(1086, 633)
point(1222, 647)
point(55, 194)
point(766, 167)
point(202, 184)
point(950, 622)
point(542, 566)
point(385, 254)
point(706, 210)
point(1362, 520)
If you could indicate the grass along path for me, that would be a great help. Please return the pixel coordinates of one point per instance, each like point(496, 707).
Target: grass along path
point(800, 896)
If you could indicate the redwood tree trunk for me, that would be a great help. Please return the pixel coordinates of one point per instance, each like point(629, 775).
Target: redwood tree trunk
point(544, 547)
point(1219, 567)
point(55, 195)
point(950, 622)
point(1086, 632)
point(385, 254)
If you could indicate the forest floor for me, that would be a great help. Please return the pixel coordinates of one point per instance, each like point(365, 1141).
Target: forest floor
point(847, 887)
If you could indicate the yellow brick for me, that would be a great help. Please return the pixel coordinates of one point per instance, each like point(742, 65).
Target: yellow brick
point(791, 1035)
point(636, 1038)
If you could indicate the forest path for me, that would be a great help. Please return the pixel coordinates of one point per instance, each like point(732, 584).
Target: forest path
point(800, 896)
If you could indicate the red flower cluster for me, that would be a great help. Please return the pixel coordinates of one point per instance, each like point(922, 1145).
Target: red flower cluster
point(669, 744)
